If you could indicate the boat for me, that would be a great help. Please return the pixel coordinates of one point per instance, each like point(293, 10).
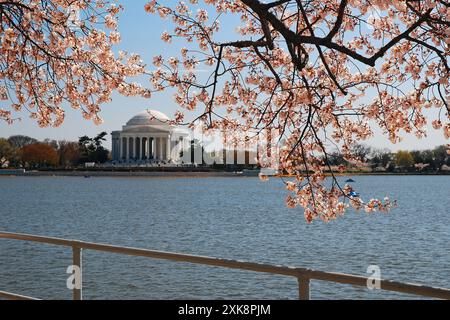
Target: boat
point(353, 194)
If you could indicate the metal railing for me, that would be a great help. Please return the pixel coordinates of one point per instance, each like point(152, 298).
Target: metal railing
point(303, 275)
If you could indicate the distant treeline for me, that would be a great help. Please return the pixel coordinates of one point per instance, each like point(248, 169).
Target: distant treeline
point(26, 152)
point(384, 160)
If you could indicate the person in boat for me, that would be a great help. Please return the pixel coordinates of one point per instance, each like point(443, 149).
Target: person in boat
point(352, 193)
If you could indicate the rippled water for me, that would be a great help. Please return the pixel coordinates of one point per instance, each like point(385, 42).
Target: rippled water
point(238, 218)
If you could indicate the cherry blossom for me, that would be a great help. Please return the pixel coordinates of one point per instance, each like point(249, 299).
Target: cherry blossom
point(319, 74)
point(58, 53)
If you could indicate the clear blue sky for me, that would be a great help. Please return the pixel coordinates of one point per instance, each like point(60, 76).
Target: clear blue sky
point(141, 34)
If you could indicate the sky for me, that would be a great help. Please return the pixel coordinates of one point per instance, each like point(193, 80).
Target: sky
point(141, 34)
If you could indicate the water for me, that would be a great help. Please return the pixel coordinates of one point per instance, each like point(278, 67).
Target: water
point(237, 218)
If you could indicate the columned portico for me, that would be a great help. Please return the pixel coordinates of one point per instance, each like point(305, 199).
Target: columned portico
point(147, 138)
point(139, 147)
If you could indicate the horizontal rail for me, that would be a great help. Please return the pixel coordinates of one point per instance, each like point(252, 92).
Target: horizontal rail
point(162, 255)
point(12, 296)
point(302, 274)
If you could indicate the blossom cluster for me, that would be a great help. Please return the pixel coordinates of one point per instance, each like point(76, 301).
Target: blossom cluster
point(321, 74)
point(58, 53)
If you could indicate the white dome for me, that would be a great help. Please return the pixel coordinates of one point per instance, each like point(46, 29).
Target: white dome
point(148, 117)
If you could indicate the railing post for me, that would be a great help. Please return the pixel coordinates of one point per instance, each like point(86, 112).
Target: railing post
point(77, 262)
point(303, 287)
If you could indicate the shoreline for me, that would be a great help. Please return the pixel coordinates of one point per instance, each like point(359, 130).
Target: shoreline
point(182, 174)
point(121, 174)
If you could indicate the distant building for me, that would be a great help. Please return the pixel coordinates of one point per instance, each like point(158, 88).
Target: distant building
point(89, 165)
point(149, 137)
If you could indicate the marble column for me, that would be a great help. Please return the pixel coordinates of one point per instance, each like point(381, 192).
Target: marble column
point(168, 149)
point(160, 147)
point(180, 148)
point(120, 148)
point(113, 150)
point(129, 148)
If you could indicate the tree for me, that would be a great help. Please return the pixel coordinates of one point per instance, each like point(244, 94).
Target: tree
point(417, 156)
point(56, 51)
point(404, 159)
point(99, 139)
point(428, 157)
point(68, 153)
point(316, 74)
point(381, 157)
point(440, 157)
point(361, 152)
point(53, 143)
point(6, 152)
point(336, 159)
point(320, 74)
point(20, 141)
point(17, 142)
point(92, 150)
point(435, 159)
point(38, 155)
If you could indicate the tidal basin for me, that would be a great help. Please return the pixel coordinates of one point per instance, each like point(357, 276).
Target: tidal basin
point(235, 218)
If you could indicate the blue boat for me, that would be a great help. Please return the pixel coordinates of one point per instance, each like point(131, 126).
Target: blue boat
point(354, 194)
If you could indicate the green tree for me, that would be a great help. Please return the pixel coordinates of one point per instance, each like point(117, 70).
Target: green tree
point(381, 157)
point(336, 159)
point(92, 149)
point(440, 157)
point(404, 159)
point(428, 157)
point(418, 156)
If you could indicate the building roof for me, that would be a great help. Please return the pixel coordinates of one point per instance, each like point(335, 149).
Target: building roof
point(152, 120)
point(148, 117)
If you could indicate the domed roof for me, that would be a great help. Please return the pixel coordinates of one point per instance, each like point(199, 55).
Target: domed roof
point(148, 117)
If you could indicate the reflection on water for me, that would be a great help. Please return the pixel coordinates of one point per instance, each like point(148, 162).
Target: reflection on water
point(238, 218)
